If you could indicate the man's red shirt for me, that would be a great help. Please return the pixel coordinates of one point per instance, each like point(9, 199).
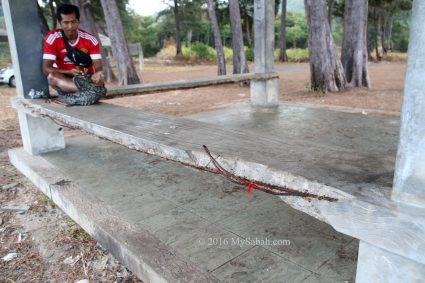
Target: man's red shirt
point(55, 48)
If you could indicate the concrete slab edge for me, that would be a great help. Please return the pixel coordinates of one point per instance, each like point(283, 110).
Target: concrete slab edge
point(345, 109)
point(147, 257)
point(399, 229)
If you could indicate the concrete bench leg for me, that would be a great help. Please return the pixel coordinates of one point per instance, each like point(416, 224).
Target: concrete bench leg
point(40, 135)
point(409, 181)
point(265, 93)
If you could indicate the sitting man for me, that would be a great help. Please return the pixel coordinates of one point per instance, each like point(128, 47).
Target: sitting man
point(78, 78)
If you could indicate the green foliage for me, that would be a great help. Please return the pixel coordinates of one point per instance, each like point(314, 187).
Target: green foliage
point(294, 55)
point(228, 53)
point(203, 52)
point(226, 35)
point(297, 55)
point(145, 31)
point(45, 200)
point(198, 51)
point(249, 53)
point(76, 232)
point(318, 90)
point(296, 30)
point(388, 17)
point(337, 36)
point(338, 30)
point(79, 234)
point(193, 21)
point(400, 36)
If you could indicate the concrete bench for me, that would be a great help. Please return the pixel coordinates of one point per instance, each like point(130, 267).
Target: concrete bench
point(363, 210)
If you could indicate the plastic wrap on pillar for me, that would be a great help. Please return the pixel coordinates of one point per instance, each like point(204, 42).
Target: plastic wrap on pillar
point(409, 181)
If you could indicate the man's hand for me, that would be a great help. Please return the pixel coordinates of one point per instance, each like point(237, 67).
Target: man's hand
point(76, 72)
point(97, 78)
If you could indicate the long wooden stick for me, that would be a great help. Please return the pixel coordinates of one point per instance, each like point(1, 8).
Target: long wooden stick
point(270, 189)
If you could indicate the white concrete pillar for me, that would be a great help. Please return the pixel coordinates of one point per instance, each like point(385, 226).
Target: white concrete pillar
point(264, 93)
point(375, 264)
point(409, 178)
point(26, 47)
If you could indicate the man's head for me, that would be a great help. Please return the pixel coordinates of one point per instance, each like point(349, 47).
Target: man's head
point(69, 18)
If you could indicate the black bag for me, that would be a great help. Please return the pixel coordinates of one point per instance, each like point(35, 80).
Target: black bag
point(78, 57)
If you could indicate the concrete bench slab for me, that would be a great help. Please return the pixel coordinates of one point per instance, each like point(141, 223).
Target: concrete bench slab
point(147, 211)
point(346, 156)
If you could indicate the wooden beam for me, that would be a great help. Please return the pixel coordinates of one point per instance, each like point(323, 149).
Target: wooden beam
point(185, 84)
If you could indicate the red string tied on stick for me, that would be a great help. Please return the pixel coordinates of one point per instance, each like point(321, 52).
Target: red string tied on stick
point(251, 185)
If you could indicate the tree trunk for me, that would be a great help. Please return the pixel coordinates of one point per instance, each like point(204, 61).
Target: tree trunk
point(53, 12)
point(177, 19)
point(248, 31)
point(189, 37)
point(240, 64)
point(326, 72)
point(382, 34)
point(87, 23)
point(43, 22)
point(390, 34)
point(387, 28)
point(376, 27)
point(127, 73)
point(221, 61)
point(354, 44)
point(282, 35)
point(330, 10)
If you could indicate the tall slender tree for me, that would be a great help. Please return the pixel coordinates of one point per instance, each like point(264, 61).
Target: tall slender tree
point(240, 64)
point(127, 73)
point(248, 28)
point(354, 44)
point(87, 23)
point(177, 22)
point(282, 35)
point(221, 61)
point(326, 72)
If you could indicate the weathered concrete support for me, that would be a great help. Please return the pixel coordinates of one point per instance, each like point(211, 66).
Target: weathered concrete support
point(25, 40)
point(409, 180)
point(264, 93)
point(40, 135)
point(377, 265)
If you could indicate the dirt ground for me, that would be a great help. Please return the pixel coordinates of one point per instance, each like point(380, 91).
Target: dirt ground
point(50, 247)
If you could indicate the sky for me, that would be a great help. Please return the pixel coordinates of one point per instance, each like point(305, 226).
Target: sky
point(147, 7)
